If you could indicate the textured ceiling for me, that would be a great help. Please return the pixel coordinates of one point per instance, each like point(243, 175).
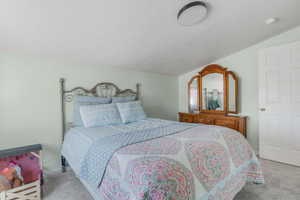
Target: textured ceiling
point(138, 34)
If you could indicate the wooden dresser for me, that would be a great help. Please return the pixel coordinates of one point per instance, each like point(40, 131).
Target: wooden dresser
point(235, 122)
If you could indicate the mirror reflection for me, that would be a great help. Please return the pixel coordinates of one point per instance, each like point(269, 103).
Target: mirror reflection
point(193, 87)
point(231, 94)
point(213, 92)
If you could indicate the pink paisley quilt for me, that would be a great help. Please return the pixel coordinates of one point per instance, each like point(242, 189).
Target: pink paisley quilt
point(201, 163)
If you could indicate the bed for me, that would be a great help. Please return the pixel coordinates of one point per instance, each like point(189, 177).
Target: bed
point(156, 159)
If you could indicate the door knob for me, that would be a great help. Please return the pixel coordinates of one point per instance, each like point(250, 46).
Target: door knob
point(262, 109)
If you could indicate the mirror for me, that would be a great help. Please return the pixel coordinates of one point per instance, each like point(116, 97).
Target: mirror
point(232, 92)
point(212, 92)
point(193, 88)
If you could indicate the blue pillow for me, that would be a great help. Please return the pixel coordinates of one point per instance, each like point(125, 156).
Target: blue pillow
point(100, 115)
point(86, 100)
point(123, 99)
point(131, 111)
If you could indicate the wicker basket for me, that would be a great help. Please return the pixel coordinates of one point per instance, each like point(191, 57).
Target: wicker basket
point(31, 191)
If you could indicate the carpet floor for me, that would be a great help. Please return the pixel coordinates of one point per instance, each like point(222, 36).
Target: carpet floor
point(282, 183)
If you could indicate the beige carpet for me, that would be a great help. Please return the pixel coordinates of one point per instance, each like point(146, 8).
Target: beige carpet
point(282, 183)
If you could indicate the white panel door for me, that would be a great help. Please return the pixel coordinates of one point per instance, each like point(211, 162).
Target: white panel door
point(279, 101)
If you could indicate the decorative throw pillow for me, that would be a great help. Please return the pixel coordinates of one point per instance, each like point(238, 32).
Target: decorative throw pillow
point(123, 99)
point(131, 111)
point(86, 100)
point(100, 115)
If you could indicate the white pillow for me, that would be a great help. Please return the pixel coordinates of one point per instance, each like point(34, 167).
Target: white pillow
point(131, 111)
point(86, 100)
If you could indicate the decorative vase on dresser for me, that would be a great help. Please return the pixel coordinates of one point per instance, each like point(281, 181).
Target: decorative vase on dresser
point(213, 99)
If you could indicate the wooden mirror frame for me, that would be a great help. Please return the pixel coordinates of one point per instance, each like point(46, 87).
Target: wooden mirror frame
point(189, 93)
point(214, 68)
point(236, 88)
point(210, 69)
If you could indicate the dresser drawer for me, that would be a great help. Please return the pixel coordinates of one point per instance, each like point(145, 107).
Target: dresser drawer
point(233, 122)
point(204, 121)
point(227, 123)
point(186, 118)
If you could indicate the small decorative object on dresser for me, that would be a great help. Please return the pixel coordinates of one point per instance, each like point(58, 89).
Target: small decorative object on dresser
point(21, 173)
point(212, 94)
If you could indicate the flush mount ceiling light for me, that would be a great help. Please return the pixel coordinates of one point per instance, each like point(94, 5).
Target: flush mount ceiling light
point(192, 13)
point(271, 20)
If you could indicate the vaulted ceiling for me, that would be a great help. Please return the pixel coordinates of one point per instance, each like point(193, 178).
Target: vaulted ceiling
point(138, 34)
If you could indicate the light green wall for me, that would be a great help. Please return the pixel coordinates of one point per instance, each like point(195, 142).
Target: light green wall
point(30, 102)
point(245, 65)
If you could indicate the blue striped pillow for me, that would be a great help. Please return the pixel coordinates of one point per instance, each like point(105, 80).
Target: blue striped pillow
point(123, 99)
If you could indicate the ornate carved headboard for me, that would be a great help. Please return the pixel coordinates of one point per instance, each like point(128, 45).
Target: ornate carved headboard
point(103, 89)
